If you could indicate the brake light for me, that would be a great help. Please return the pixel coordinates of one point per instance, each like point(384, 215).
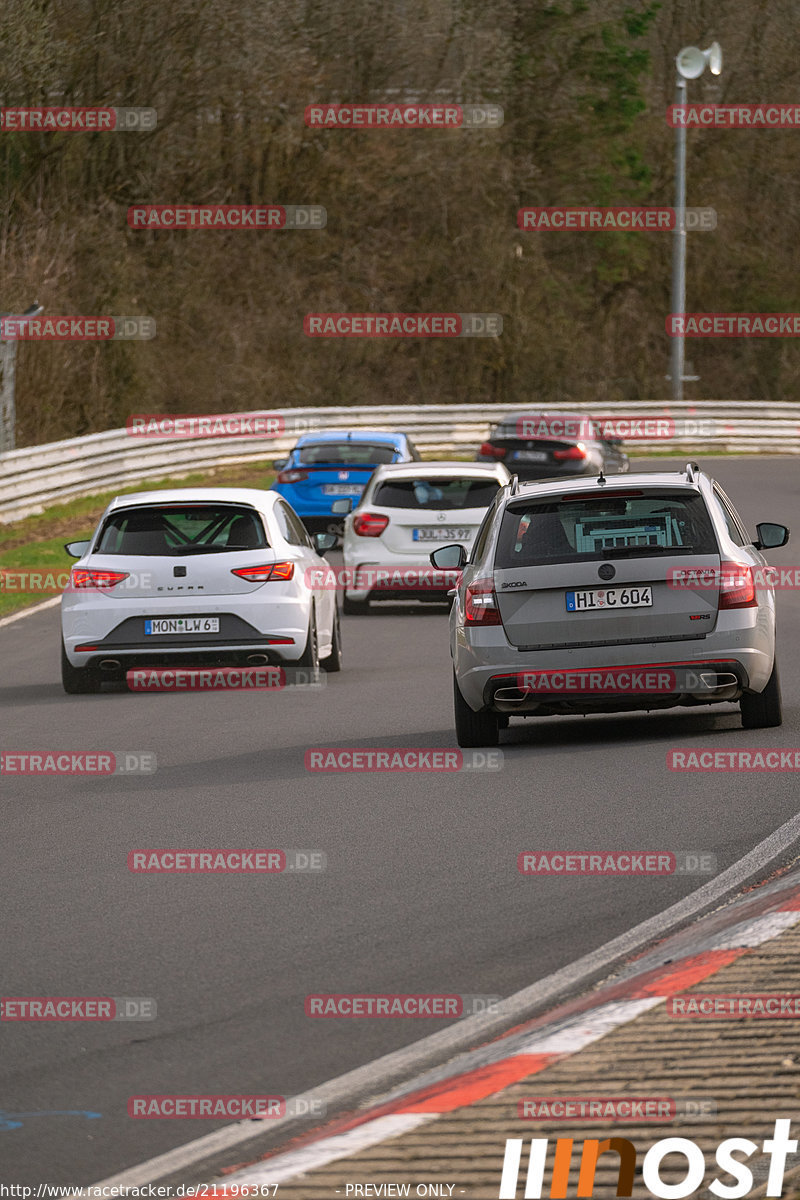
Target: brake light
point(574, 452)
point(82, 577)
point(270, 573)
point(293, 476)
point(737, 587)
point(490, 451)
point(480, 604)
point(369, 524)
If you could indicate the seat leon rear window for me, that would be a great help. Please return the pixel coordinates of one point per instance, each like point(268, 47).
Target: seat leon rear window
point(182, 529)
point(444, 494)
point(318, 453)
point(634, 524)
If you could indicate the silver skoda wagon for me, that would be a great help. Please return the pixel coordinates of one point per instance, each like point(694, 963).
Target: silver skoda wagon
point(592, 596)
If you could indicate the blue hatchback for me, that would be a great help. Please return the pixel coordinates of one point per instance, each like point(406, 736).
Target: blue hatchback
point(324, 467)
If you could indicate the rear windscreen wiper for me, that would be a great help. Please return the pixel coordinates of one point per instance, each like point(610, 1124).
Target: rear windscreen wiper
point(621, 551)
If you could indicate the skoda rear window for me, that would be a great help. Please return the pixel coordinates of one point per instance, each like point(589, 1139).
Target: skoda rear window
point(618, 525)
point(449, 495)
point(345, 452)
point(182, 530)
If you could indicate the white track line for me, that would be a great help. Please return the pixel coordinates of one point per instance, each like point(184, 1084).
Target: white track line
point(319, 1154)
point(588, 1027)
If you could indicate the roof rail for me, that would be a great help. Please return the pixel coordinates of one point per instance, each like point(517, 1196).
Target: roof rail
point(514, 485)
point(690, 471)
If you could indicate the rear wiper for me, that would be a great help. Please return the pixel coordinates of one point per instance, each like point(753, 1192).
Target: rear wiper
point(644, 551)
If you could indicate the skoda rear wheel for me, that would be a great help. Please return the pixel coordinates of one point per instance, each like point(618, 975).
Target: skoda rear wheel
point(473, 728)
point(763, 710)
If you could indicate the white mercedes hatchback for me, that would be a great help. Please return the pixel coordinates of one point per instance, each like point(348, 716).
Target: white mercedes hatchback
point(196, 577)
point(406, 510)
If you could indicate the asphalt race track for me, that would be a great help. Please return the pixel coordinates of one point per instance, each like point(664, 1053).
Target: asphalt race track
point(421, 894)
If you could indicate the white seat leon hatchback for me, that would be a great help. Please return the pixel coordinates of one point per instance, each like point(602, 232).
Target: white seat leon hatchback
point(196, 577)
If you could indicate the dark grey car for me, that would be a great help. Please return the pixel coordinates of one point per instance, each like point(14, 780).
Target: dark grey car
point(552, 445)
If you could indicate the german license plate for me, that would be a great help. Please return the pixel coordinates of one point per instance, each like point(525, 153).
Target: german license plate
point(632, 596)
point(447, 533)
point(342, 489)
point(155, 625)
point(530, 456)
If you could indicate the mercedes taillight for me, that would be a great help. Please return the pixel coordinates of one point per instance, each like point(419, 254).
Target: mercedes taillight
point(369, 524)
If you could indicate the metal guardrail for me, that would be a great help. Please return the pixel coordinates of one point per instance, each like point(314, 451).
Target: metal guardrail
point(36, 477)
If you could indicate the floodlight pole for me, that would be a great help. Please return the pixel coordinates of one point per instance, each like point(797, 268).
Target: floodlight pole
point(8, 354)
point(677, 348)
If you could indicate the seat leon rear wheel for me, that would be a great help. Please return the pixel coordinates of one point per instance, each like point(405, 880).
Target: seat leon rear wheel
point(334, 660)
point(763, 710)
point(77, 681)
point(310, 656)
point(473, 729)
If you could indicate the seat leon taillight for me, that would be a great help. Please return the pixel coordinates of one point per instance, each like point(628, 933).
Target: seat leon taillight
point(369, 524)
point(480, 604)
point(269, 573)
point(83, 577)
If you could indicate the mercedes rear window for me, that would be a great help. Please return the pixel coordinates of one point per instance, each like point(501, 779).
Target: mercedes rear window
point(617, 525)
point(444, 494)
point(346, 452)
point(178, 529)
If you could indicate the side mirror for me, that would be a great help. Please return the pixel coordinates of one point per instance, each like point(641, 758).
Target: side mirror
point(324, 542)
point(342, 506)
point(280, 463)
point(770, 536)
point(449, 558)
point(77, 549)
